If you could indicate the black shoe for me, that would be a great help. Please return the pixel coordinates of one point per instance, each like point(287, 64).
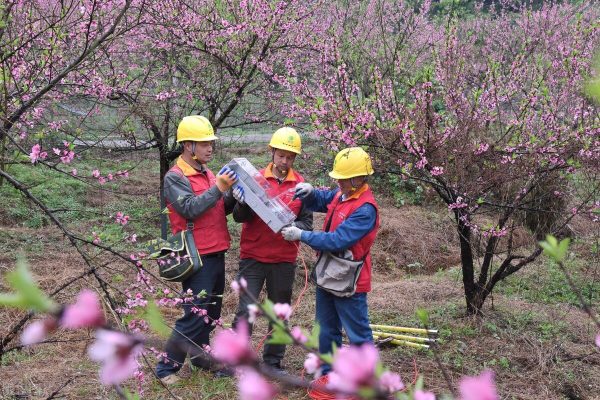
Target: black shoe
point(280, 372)
point(277, 370)
point(223, 373)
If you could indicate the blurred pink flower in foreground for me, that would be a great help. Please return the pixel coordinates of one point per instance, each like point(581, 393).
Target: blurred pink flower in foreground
point(282, 310)
point(598, 340)
point(312, 363)
point(37, 331)
point(354, 367)
point(233, 347)
point(238, 285)
point(390, 382)
point(421, 395)
point(85, 313)
point(298, 335)
point(253, 386)
point(480, 387)
point(117, 352)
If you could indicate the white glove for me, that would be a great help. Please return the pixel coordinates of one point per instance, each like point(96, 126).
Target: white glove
point(238, 194)
point(291, 233)
point(303, 190)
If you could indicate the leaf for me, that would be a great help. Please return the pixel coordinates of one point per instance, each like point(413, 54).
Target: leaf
point(155, 320)
point(267, 307)
point(553, 249)
point(279, 336)
point(313, 339)
point(423, 316)
point(26, 294)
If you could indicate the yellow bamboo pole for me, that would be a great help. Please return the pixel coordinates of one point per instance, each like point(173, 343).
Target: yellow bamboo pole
point(418, 331)
point(418, 339)
point(398, 342)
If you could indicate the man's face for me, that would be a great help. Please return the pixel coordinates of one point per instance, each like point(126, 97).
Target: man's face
point(203, 151)
point(283, 160)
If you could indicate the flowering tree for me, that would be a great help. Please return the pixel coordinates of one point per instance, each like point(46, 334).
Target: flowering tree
point(488, 112)
point(45, 47)
point(223, 60)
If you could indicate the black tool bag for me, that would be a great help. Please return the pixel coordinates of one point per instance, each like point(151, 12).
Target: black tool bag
point(177, 257)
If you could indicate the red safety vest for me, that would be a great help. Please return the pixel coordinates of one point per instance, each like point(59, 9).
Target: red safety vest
point(361, 249)
point(258, 241)
point(210, 228)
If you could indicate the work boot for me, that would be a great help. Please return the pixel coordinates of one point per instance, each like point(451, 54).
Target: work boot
point(278, 370)
point(170, 380)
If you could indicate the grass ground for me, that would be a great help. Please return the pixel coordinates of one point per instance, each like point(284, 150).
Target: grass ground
point(532, 334)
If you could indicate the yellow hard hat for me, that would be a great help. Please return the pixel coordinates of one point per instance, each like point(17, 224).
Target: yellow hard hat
point(286, 139)
point(351, 162)
point(195, 128)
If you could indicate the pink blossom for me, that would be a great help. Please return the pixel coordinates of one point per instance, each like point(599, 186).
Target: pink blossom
point(96, 173)
point(122, 219)
point(96, 239)
point(253, 386)
point(390, 382)
point(422, 395)
point(233, 348)
point(253, 313)
point(101, 180)
point(238, 284)
point(37, 331)
point(67, 157)
point(435, 171)
point(312, 363)
point(598, 340)
point(85, 313)
point(354, 367)
point(117, 352)
point(282, 310)
point(480, 387)
point(298, 335)
point(56, 151)
point(74, 172)
point(36, 154)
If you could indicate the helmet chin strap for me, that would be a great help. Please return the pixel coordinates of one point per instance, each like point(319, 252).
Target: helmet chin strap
point(275, 166)
point(354, 186)
point(194, 151)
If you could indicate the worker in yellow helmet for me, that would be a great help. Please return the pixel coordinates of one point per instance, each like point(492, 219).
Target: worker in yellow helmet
point(351, 223)
point(195, 195)
point(266, 259)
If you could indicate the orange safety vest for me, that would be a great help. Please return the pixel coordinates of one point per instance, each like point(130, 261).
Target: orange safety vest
point(210, 228)
point(258, 241)
point(361, 249)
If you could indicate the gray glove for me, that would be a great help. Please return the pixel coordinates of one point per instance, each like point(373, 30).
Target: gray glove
point(238, 194)
point(303, 190)
point(291, 233)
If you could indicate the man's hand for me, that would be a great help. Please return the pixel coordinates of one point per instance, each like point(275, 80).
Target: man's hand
point(238, 194)
point(225, 179)
point(291, 233)
point(303, 190)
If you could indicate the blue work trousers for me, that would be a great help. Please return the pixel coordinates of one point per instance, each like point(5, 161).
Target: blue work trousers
point(334, 313)
point(191, 327)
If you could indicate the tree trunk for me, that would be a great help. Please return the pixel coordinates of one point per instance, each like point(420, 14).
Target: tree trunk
point(474, 293)
point(164, 168)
